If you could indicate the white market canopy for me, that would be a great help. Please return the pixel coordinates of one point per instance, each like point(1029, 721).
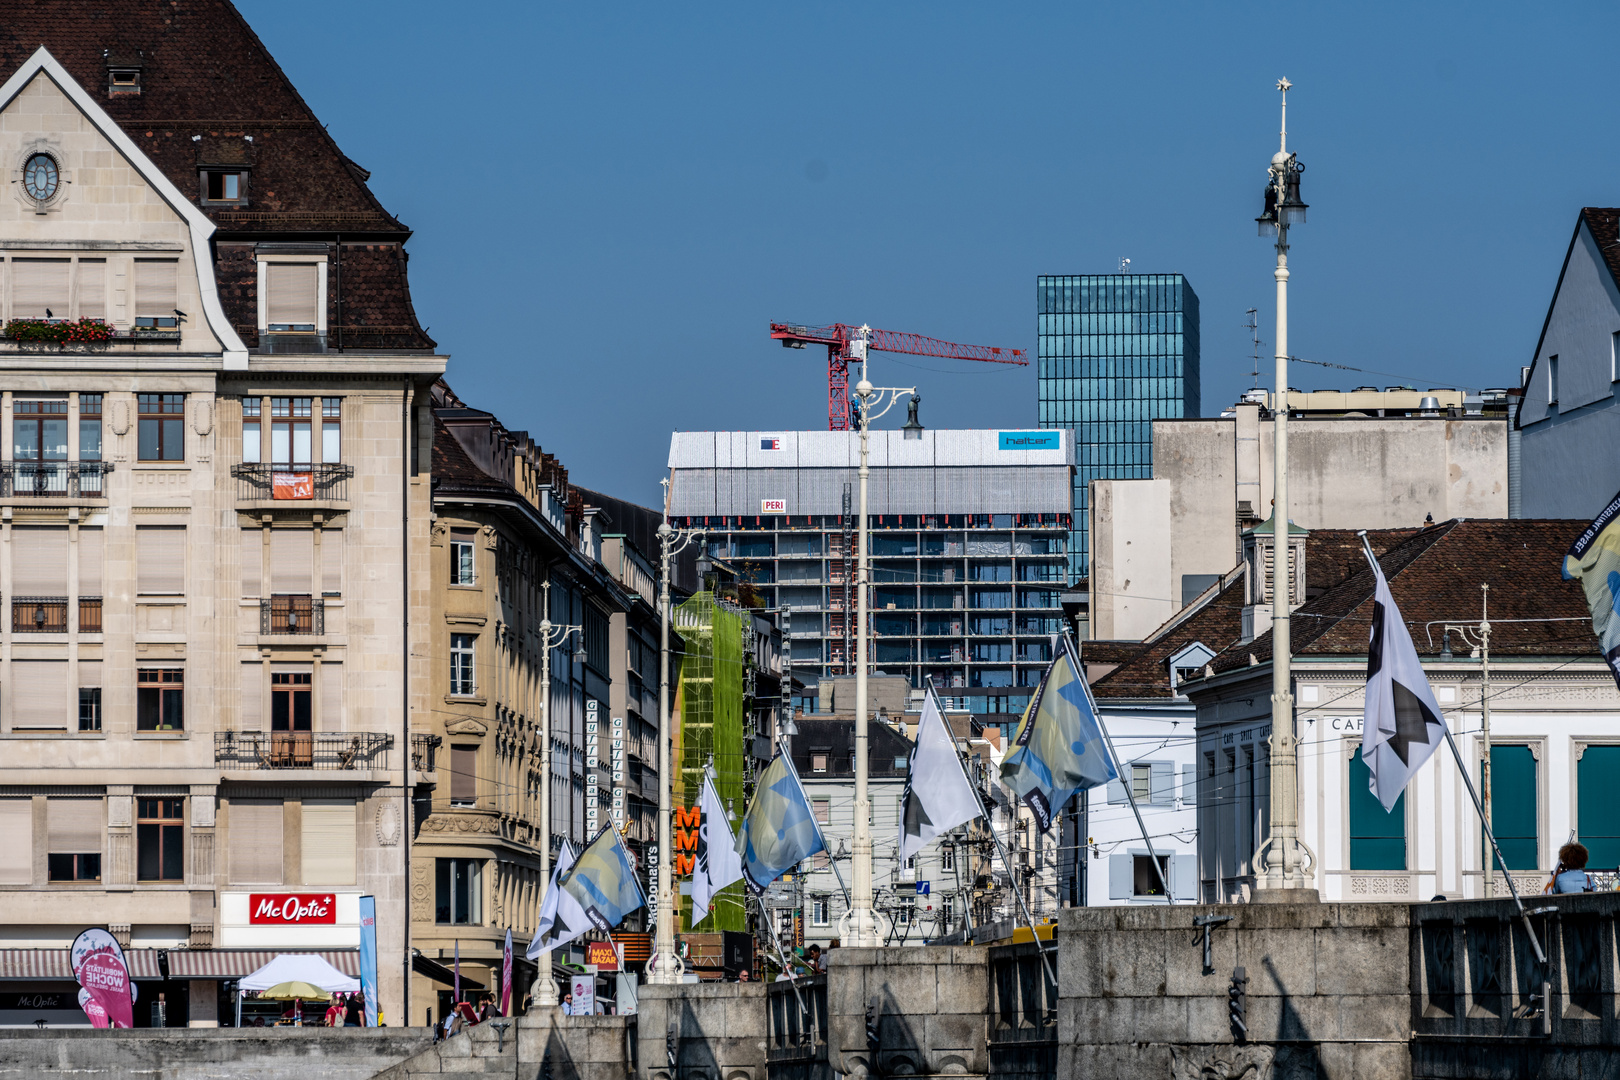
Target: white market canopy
point(303, 967)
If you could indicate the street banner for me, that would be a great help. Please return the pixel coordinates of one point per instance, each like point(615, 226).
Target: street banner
point(717, 863)
point(1594, 561)
point(506, 975)
point(1401, 725)
point(938, 795)
point(1060, 748)
point(779, 831)
point(291, 485)
point(100, 967)
point(368, 957)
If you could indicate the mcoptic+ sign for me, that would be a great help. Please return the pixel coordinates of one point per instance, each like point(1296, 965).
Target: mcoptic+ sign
point(280, 909)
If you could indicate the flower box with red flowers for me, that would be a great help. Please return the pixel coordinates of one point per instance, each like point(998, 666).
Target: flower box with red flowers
point(63, 332)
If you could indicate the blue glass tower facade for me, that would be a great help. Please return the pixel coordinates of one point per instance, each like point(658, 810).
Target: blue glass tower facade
point(1116, 352)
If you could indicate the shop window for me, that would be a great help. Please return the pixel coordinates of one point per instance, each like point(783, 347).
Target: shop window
point(160, 839)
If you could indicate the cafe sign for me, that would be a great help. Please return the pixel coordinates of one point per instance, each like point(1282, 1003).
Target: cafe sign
point(291, 909)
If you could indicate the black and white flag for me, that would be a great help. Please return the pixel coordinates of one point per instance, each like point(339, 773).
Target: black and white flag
point(938, 794)
point(1402, 724)
point(717, 864)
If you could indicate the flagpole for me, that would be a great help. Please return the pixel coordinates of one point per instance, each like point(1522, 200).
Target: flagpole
point(1479, 808)
point(1125, 781)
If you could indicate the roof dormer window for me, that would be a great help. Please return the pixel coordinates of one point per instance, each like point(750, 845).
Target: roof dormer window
point(122, 81)
point(225, 187)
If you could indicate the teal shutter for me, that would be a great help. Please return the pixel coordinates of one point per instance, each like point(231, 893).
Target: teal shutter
point(1513, 806)
point(1377, 839)
point(1597, 811)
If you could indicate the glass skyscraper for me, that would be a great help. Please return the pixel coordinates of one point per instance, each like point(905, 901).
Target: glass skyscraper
point(1116, 352)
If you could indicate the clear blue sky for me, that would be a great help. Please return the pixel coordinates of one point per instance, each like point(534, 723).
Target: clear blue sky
point(612, 201)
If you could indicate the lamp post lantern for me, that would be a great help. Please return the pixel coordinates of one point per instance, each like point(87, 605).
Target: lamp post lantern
point(667, 966)
point(862, 918)
point(1281, 858)
point(551, 636)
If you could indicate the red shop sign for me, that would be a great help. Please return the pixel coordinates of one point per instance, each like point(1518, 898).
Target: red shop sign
point(278, 909)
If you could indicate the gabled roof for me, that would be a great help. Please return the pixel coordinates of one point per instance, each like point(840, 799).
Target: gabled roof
point(1604, 224)
point(42, 63)
point(1435, 575)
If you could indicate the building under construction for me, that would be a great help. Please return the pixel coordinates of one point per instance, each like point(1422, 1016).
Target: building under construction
point(968, 549)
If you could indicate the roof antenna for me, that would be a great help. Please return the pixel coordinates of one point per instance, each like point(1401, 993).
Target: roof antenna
point(1124, 266)
point(1253, 327)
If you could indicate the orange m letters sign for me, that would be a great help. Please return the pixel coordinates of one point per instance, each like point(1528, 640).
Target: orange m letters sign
point(688, 817)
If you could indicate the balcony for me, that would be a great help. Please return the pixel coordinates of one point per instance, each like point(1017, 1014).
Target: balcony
point(264, 483)
point(292, 614)
point(53, 479)
point(39, 614)
point(424, 752)
point(336, 751)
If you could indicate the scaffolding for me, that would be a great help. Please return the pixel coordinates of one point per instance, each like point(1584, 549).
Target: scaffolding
point(710, 700)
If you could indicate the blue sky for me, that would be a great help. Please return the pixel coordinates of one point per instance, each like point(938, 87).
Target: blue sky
point(612, 202)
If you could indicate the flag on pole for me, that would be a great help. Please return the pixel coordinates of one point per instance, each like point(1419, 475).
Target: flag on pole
point(455, 992)
point(549, 906)
point(1059, 748)
point(595, 891)
point(779, 831)
point(938, 794)
point(717, 864)
point(506, 975)
point(1594, 561)
point(1401, 726)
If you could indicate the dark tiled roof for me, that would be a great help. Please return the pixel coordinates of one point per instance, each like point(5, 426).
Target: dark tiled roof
point(835, 737)
point(1435, 574)
point(455, 470)
point(207, 84)
point(1108, 651)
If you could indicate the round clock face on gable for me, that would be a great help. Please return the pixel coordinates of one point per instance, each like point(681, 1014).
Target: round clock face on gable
point(41, 177)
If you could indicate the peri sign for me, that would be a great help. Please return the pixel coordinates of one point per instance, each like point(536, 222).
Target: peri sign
point(773, 506)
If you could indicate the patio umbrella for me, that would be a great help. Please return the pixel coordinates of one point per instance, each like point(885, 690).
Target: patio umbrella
point(292, 990)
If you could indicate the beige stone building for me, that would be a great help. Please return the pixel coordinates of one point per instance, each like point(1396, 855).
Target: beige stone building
point(214, 516)
point(1357, 460)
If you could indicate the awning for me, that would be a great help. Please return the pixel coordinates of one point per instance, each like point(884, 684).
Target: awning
point(439, 973)
point(636, 947)
point(236, 963)
point(54, 964)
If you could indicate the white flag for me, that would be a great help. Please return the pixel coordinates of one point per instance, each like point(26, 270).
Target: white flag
point(1402, 725)
point(717, 864)
point(939, 795)
point(575, 921)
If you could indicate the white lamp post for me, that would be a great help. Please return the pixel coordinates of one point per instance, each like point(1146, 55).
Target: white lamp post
point(551, 636)
point(863, 930)
point(667, 966)
point(1280, 865)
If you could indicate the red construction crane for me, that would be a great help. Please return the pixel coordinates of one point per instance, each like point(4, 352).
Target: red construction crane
point(849, 344)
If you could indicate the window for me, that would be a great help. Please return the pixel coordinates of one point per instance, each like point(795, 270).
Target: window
point(461, 665)
point(160, 559)
point(39, 288)
point(160, 839)
point(818, 763)
point(90, 283)
point(226, 187)
point(947, 857)
point(73, 836)
point(904, 911)
point(1552, 380)
point(1145, 881)
point(160, 699)
point(39, 428)
point(464, 776)
point(162, 427)
point(1142, 782)
point(290, 704)
point(291, 298)
point(257, 833)
point(90, 427)
point(290, 430)
point(1377, 838)
point(459, 896)
point(947, 910)
point(1513, 806)
point(252, 432)
point(327, 842)
point(331, 430)
point(89, 708)
point(594, 637)
point(156, 294)
point(121, 81)
point(461, 556)
point(1597, 812)
point(820, 911)
point(17, 854)
point(823, 810)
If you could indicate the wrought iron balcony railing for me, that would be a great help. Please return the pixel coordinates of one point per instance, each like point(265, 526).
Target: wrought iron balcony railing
point(292, 614)
point(263, 482)
point(329, 750)
point(53, 479)
point(39, 614)
point(424, 752)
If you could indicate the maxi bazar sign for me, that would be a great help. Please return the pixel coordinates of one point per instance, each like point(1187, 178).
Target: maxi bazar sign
point(292, 909)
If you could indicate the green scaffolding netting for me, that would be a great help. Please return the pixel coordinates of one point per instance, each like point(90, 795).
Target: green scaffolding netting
point(711, 723)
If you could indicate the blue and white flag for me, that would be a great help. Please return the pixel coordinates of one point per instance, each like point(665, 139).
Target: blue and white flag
point(603, 881)
point(779, 831)
point(561, 918)
point(1059, 748)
